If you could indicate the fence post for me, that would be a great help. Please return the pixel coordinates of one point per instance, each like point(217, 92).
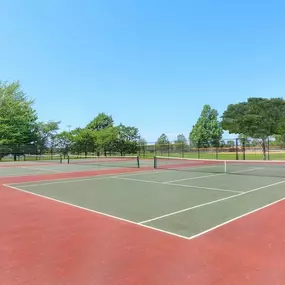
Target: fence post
point(237, 156)
point(168, 150)
point(268, 149)
point(243, 149)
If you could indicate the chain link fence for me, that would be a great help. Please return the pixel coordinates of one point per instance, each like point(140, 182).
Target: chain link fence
point(9, 152)
point(227, 149)
point(15, 151)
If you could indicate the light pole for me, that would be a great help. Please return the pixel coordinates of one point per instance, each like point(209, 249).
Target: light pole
point(68, 126)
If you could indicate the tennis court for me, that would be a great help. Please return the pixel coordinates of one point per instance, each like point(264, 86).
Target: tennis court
point(177, 201)
point(45, 165)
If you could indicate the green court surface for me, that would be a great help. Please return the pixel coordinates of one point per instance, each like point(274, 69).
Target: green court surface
point(182, 203)
point(25, 168)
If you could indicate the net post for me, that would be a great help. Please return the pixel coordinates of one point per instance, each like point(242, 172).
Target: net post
point(155, 162)
point(225, 163)
point(68, 159)
point(138, 161)
point(60, 158)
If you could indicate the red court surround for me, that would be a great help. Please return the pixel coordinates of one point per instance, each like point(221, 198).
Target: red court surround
point(43, 242)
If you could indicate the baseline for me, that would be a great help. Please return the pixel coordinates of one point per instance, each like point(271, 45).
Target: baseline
point(94, 211)
point(237, 218)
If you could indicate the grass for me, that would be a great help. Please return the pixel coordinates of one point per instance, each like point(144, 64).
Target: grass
point(203, 155)
point(222, 156)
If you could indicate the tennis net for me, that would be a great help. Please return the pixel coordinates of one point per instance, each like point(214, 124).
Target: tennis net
point(112, 161)
point(241, 167)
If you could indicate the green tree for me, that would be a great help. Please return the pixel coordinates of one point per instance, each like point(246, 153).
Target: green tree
point(163, 144)
point(163, 139)
point(229, 143)
point(207, 131)
point(181, 139)
point(142, 144)
point(244, 140)
point(254, 142)
point(181, 143)
point(107, 140)
point(46, 133)
point(100, 122)
point(63, 142)
point(84, 141)
point(102, 136)
point(128, 133)
point(127, 139)
point(257, 118)
point(17, 116)
point(278, 140)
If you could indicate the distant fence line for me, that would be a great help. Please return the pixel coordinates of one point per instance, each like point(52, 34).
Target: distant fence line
point(234, 149)
point(16, 150)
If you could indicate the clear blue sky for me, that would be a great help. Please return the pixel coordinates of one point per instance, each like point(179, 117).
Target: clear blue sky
point(152, 64)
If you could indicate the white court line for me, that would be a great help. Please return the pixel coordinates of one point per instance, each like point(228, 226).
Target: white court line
point(41, 169)
point(212, 175)
point(201, 167)
point(121, 178)
point(247, 170)
point(173, 184)
point(202, 187)
point(65, 180)
point(76, 179)
point(211, 202)
point(189, 159)
point(236, 218)
point(32, 184)
point(102, 176)
point(70, 180)
point(94, 211)
point(19, 174)
point(193, 178)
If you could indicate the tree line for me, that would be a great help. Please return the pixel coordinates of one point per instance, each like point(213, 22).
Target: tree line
point(253, 121)
point(21, 131)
